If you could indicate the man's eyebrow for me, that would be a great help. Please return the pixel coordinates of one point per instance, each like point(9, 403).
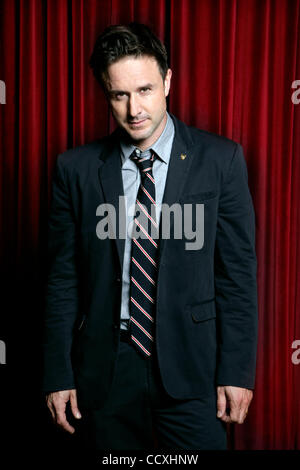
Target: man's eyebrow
point(113, 92)
point(147, 85)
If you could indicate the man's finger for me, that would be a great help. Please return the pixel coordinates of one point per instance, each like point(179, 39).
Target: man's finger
point(51, 408)
point(243, 414)
point(62, 422)
point(238, 411)
point(243, 407)
point(234, 411)
point(221, 402)
point(74, 406)
point(226, 418)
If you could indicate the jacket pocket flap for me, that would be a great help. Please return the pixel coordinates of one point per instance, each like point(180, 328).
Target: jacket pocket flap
point(203, 311)
point(199, 196)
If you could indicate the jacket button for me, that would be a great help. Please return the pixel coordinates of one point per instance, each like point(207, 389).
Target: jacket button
point(118, 279)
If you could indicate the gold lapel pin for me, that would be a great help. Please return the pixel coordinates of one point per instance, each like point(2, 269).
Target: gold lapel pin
point(182, 156)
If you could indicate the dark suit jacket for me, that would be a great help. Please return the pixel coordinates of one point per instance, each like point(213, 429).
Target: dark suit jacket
point(206, 309)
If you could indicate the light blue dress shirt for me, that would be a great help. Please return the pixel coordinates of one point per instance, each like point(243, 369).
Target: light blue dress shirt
point(131, 182)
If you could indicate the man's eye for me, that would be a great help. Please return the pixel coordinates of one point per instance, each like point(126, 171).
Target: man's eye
point(119, 95)
point(144, 90)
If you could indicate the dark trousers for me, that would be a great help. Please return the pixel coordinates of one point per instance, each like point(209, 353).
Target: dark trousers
point(139, 414)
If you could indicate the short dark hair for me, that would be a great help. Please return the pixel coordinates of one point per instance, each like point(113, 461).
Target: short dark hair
point(118, 41)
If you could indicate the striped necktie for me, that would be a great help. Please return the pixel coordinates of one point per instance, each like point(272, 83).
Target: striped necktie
point(144, 252)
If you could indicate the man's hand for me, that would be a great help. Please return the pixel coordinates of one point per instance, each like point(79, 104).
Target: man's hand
point(236, 401)
point(57, 402)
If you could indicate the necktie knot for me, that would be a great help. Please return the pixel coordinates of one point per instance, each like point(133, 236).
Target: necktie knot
point(144, 164)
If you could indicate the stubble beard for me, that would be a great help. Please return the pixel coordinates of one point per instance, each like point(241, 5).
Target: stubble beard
point(148, 135)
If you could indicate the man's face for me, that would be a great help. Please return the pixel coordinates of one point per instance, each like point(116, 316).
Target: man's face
point(137, 96)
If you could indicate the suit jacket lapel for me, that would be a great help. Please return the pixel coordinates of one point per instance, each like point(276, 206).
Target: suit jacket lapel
point(110, 177)
point(179, 165)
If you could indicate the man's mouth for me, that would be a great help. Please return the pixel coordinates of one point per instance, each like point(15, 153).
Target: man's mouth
point(137, 123)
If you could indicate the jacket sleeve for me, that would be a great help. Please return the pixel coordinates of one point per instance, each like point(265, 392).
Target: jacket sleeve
point(62, 288)
point(235, 278)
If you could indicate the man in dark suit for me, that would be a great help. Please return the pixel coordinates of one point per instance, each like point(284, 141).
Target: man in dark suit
point(145, 328)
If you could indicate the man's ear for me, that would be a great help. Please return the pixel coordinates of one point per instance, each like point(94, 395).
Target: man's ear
point(167, 81)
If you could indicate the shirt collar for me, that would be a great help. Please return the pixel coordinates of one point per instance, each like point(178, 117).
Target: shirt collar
point(158, 147)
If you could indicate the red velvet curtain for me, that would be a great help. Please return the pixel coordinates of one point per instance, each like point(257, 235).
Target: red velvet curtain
point(233, 62)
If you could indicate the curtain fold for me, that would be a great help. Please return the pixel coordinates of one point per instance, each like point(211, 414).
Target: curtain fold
point(233, 65)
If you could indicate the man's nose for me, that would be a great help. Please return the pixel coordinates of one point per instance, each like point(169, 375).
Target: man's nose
point(134, 107)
